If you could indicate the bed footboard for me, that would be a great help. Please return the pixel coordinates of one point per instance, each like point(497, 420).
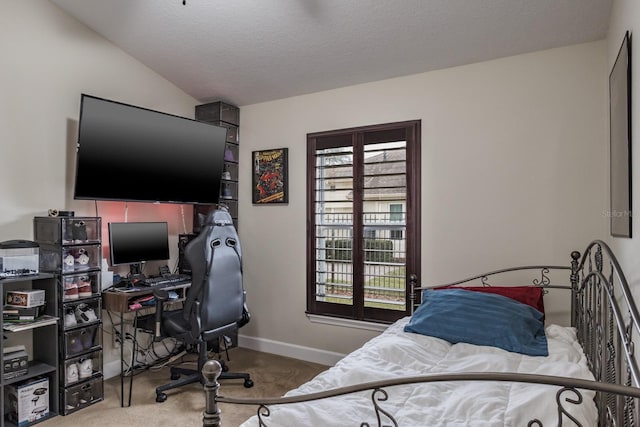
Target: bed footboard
point(567, 395)
point(211, 372)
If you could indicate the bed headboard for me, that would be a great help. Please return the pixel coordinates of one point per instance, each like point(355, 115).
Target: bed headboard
point(541, 276)
point(603, 312)
point(606, 320)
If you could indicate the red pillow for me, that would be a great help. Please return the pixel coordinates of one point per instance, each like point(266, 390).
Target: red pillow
point(530, 295)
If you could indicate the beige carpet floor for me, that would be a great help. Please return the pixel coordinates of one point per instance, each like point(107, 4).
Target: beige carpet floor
point(273, 376)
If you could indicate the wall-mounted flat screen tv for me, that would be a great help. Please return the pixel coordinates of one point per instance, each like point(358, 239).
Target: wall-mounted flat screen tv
point(130, 153)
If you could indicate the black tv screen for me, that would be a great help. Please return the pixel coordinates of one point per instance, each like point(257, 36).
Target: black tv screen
point(136, 242)
point(130, 153)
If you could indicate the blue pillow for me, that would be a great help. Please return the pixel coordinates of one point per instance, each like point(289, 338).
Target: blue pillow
point(458, 315)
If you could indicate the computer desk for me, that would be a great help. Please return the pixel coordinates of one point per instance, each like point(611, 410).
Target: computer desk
point(119, 302)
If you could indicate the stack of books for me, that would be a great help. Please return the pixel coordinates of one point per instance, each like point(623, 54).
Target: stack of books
point(23, 325)
point(17, 314)
point(24, 309)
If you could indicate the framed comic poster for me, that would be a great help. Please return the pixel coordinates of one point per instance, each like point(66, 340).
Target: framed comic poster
point(270, 180)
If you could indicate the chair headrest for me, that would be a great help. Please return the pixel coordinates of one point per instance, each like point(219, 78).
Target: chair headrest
point(218, 217)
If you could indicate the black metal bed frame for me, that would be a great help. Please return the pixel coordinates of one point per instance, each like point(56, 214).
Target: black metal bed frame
point(607, 325)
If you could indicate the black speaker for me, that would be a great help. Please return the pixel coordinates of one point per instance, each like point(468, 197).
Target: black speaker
point(183, 265)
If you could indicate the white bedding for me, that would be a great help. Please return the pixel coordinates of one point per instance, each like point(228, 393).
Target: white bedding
point(395, 353)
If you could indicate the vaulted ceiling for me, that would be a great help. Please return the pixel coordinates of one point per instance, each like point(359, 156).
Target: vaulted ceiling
point(250, 51)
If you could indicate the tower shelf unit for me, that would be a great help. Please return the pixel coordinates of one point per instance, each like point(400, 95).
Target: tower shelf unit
point(41, 345)
point(71, 249)
point(224, 115)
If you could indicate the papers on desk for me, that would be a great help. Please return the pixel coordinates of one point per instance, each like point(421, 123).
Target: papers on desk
point(136, 303)
point(127, 289)
point(119, 298)
point(23, 325)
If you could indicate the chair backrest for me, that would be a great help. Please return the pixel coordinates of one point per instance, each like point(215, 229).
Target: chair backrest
point(215, 299)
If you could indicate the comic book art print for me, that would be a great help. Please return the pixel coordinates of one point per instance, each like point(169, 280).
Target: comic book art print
point(270, 176)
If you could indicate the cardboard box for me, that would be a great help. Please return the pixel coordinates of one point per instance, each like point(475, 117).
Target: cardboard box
point(28, 401)
point(30, 298)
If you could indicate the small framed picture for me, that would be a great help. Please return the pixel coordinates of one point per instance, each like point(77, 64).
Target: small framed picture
point(270, 176)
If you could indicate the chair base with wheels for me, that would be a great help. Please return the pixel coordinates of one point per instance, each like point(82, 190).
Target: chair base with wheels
point(179, 328)
point(183, 376)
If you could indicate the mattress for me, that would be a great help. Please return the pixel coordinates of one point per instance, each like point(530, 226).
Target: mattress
point(395, 353)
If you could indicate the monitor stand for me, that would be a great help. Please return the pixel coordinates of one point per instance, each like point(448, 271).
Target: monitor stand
point(135, 269)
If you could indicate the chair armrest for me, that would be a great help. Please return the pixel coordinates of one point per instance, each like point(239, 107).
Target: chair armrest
point(246, 317)
point(161, 296)
point(194, 320)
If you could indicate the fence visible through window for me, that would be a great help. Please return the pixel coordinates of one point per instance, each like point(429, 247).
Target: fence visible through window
point(383, 225)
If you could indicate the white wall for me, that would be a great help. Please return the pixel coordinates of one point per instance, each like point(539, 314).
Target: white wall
point(48, 59)
point(625, 16)
point(513, 173)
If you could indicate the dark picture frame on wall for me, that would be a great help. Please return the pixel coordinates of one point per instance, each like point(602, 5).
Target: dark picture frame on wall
point(620, 141)
point(270, 176)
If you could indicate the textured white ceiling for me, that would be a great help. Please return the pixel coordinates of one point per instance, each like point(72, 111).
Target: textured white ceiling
point(249, 51)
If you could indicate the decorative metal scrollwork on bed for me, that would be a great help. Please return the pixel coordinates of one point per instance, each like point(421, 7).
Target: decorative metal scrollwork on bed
point(380, 395)
point(263, 411)
point(562, 411)
point(543, 282)
point(606, 321)
point(544, 279)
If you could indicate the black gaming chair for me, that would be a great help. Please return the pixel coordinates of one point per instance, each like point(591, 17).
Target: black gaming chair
point(215, 301)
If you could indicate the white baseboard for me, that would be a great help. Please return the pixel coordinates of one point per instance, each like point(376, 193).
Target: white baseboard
point(111, 369)
point(294, 351)
point(309, 354)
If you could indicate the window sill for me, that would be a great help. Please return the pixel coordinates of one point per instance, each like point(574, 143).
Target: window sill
point(347, 323)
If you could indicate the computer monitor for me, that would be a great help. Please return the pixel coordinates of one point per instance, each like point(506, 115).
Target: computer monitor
point(136, 242)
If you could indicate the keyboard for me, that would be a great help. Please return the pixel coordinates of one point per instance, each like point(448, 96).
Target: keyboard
point(169, 279)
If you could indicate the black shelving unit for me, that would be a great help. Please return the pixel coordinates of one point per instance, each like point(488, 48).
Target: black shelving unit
point(71, 249)
point(225, 115)
point(43, 357)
